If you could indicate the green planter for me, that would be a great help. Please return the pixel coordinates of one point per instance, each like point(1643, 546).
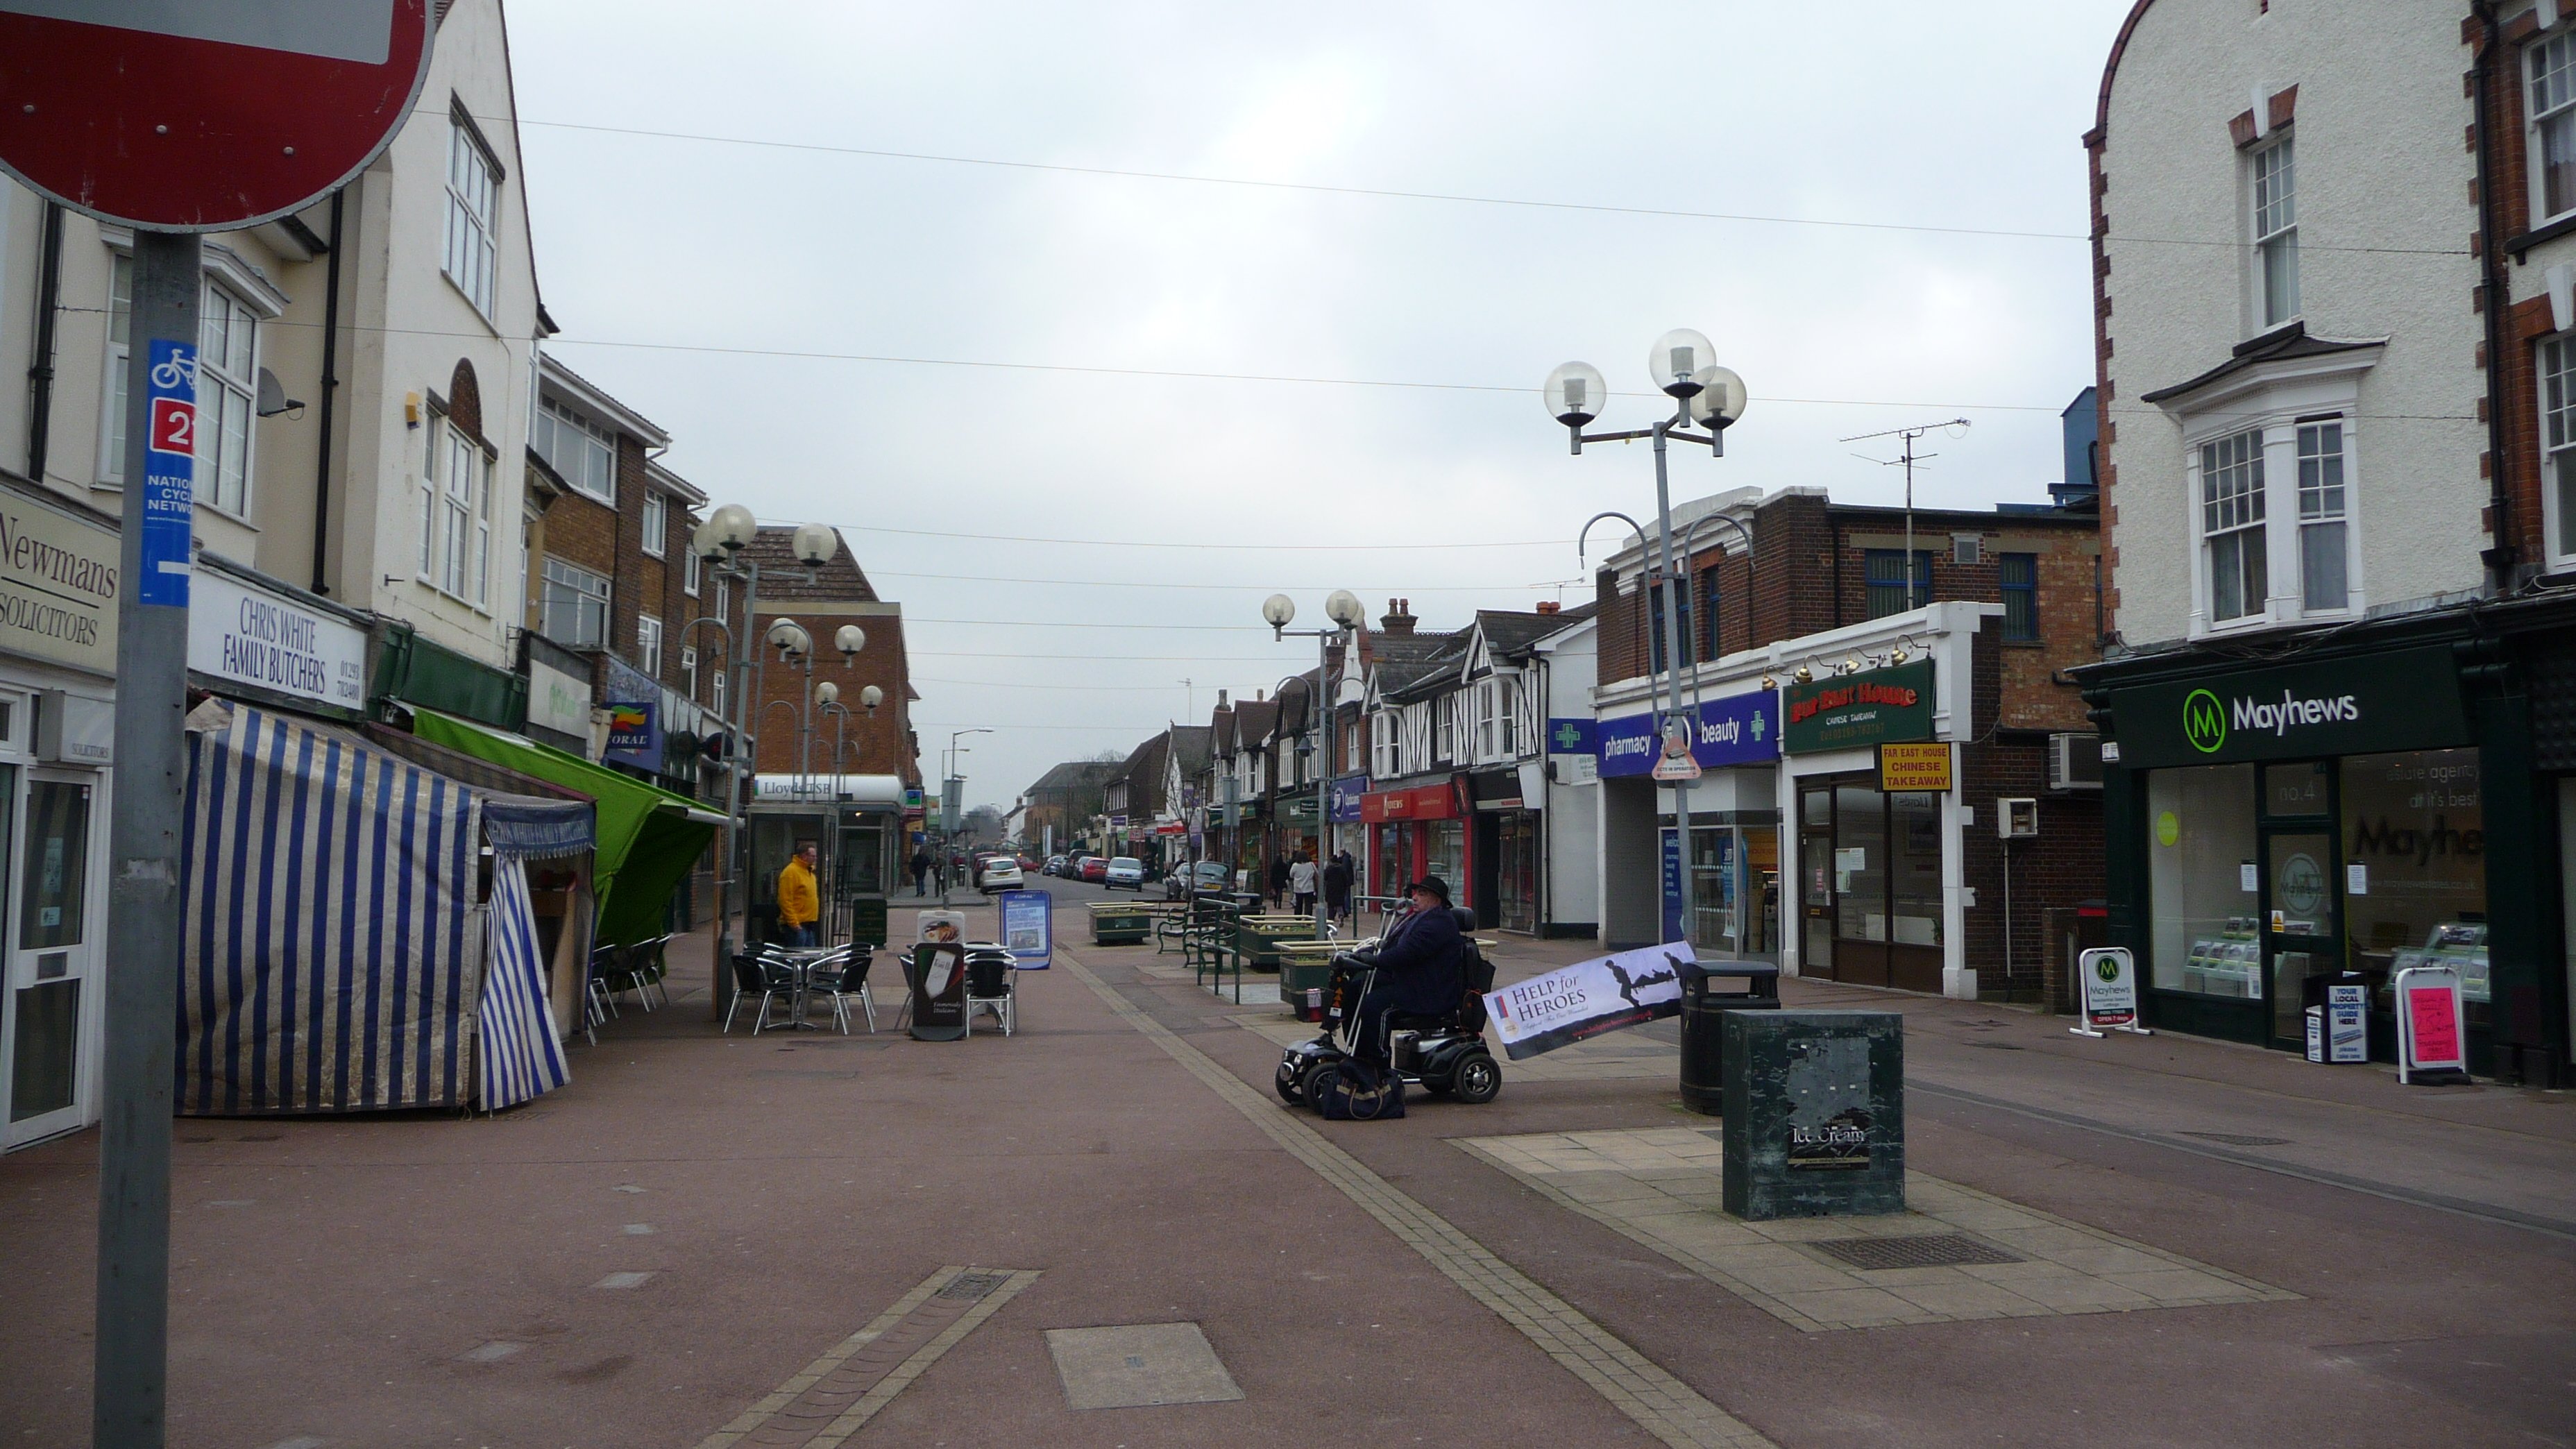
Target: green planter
point(1297, 977)
point(1120, 926)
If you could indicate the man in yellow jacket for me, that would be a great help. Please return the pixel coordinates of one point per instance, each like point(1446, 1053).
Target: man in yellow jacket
point(799, 903)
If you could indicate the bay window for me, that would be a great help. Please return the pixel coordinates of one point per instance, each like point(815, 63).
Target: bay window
point(2322, 546)
point(2231, 497)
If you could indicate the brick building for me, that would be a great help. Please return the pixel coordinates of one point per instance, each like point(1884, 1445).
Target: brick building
point(853, 740)
point(1806, 640)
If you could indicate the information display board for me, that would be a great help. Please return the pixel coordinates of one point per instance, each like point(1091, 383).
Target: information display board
point(1028, 928)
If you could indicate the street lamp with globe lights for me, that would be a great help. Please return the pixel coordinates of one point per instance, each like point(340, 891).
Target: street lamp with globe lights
point(724, 542)
point(1346, 612)
point(1683, 364)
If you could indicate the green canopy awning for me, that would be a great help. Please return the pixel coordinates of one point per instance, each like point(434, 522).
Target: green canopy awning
point(648, 837)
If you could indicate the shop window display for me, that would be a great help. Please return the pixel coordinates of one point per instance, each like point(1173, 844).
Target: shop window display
point(2201, 829)
point(2415, 861)
point(1449, 856)
point(1713, 887)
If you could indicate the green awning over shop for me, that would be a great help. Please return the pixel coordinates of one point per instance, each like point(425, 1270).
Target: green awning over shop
point(648, 837)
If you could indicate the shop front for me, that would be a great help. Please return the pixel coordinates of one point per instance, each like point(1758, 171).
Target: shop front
point(59, 590)
point(1417, 831)
point(1510, 837)
point(1734, 854)
point(2329, 818)
point(1874, 864)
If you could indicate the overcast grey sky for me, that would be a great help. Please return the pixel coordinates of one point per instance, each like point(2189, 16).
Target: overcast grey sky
point(721, 288)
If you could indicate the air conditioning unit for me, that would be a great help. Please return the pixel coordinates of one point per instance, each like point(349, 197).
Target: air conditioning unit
point(2017, 819)
point(1967, 549)
point(2075, 762)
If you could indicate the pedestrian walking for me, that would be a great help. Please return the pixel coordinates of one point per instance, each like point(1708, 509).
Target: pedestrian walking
point(1337, 886)
point(1301, 880)
point(921, 864)
point(1278, 881)
point(799, 903)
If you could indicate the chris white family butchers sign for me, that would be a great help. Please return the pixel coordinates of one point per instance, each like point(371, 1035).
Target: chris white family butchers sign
point(58, 586)
point(2406, 700)
point(1588, 998)
point(251, 636)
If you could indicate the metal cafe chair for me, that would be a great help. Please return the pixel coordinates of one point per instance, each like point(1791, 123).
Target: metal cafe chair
point(992, 982)
point(850, 984)
point(764, 977)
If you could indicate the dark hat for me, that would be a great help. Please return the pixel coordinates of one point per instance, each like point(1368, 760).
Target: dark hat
point(1433, 884)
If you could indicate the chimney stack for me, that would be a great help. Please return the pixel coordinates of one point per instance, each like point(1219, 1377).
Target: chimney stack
point(1399, 620)
point(1220, 699)
point(1550, 606)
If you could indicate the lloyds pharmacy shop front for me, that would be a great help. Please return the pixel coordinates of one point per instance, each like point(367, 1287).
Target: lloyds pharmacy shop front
point(2382, 798)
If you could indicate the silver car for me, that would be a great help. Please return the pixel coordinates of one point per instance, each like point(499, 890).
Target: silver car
point(1125, 870)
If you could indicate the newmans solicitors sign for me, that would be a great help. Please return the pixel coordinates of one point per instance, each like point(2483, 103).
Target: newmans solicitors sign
point(2408, 699)
point(58, 585)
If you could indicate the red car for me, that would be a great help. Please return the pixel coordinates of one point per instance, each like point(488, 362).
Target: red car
point(1095, 868)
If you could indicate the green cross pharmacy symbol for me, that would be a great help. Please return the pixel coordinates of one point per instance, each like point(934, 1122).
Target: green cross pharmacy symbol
point(1567, 737)
point(1761, 725)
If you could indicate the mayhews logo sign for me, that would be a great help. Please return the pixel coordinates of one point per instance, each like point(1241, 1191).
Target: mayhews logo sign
point(2207, 722)
point(2407, 699)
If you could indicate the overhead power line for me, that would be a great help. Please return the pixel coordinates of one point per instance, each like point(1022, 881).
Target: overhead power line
point(898, 359)
point(1399, 194)
point(1231, 588)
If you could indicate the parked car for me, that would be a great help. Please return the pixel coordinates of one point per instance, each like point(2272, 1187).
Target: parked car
point(1125, 870)
point(1001, 873)
point(1211, 875)
point(1054, 865)
point(1095, 868)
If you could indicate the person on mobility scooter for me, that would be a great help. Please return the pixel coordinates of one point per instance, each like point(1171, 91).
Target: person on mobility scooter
point(1413, 1004)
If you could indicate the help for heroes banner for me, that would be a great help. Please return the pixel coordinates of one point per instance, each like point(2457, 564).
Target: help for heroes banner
point(1589, 998)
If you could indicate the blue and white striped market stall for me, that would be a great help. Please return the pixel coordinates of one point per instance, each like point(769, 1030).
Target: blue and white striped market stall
point(350, 943)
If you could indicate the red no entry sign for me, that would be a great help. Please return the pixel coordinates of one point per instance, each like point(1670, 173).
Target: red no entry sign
point(203, 115)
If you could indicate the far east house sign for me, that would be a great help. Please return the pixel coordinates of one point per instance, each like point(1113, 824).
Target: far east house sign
point(1850, 711)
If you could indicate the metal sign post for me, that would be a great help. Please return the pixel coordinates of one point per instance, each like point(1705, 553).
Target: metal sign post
point(174, 119)
point(149, 803)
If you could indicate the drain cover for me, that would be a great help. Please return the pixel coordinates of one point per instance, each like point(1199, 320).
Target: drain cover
point(1995, 1046)
point(1935, 1250)
point(2238, 1139)
point(967, 1287)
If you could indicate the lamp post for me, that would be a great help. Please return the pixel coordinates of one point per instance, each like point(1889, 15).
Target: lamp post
point(1344, 609)
point(724, 541)
point(1683, 364)
point(721, 541)
point(952, 783)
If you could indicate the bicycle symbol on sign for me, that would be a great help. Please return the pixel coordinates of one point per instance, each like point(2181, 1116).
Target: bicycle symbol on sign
point(174, 373)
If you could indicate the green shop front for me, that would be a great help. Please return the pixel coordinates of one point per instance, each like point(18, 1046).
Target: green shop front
point(2352, 809)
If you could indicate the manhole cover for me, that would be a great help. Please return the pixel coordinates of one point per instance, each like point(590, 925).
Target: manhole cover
point(968, 1287)
point(1139, 1365)
point(1935, 1250)
point(2238, 1139)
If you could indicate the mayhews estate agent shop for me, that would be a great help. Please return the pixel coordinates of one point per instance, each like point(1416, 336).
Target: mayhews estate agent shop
point(2359, 806)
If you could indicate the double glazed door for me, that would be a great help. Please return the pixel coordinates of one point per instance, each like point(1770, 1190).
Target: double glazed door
point(2302, 925)
point(49, 990)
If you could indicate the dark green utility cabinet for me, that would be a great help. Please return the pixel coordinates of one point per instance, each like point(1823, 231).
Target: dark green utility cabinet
point(1815, 1113)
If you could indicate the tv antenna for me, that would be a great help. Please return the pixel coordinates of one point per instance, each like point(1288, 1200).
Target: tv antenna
point(1907, 461)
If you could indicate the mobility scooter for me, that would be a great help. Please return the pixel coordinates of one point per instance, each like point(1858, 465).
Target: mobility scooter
point(1444, 1055)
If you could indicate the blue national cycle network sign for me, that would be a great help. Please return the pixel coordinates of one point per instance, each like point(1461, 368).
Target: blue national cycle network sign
point(1741, 729)
point(168, 512)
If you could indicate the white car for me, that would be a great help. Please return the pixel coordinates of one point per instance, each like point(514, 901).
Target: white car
point(1125, 870)
point(1001, 873)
